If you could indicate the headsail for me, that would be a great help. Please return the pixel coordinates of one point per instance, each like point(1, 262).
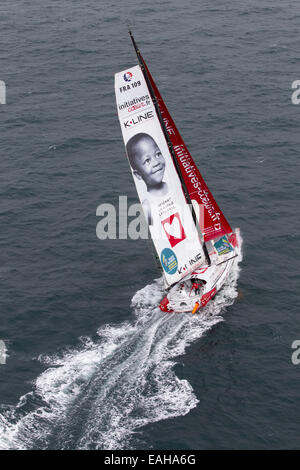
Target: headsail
point(173, 230)
point(214, 223)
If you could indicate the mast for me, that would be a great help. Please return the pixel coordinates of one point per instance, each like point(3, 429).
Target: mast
point(170, 145)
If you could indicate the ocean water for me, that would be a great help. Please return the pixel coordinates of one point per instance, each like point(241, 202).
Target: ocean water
point(92, 363)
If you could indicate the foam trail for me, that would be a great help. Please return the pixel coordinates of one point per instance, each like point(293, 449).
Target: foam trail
point(99, 395)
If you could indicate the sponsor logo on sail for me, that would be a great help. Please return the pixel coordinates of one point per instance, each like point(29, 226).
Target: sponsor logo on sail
point(138, 119)
point(127, 76)
point(190, 263)
point(174, 229)
point(169, 261)
point(135, 103)
point(223, 246)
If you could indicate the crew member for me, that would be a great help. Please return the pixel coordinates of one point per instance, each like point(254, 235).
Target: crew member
point(196, 284)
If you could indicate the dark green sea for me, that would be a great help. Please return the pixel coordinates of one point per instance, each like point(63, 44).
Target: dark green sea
point(92, 363)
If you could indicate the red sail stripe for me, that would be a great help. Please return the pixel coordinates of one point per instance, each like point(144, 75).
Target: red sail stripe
point(215, 223)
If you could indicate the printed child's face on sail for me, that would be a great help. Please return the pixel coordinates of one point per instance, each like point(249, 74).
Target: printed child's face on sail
point(147, 161)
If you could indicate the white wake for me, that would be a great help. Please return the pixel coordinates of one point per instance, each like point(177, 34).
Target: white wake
point(101, 394)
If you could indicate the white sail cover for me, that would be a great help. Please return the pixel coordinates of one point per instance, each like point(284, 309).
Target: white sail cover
point(171, 224)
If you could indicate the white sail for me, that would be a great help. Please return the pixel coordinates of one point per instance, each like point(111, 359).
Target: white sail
point(172, 228)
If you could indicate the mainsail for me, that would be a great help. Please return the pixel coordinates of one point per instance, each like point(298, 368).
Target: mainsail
point(175, 234)
point(213, 224)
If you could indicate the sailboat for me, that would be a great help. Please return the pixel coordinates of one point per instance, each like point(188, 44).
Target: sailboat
point(195, 243)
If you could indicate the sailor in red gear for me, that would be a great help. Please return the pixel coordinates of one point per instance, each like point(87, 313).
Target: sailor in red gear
point(196, 287)
point(196, 284)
